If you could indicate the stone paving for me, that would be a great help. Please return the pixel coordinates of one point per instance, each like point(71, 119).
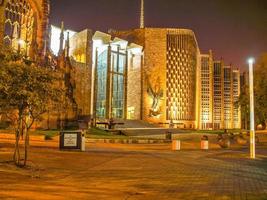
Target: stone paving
point(136, 172)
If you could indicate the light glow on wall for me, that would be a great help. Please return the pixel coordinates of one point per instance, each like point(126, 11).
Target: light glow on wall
point(55, 38)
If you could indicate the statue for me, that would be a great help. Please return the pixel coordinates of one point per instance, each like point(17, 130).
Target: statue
point(156, 94)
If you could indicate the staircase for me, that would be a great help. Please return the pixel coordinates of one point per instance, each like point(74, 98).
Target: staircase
point(142, 128)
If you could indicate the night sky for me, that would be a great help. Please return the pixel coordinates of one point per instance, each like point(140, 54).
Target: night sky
point(233, 29)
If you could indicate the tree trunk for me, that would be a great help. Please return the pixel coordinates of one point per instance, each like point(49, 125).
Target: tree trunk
point(26, 143)
point(16, 156)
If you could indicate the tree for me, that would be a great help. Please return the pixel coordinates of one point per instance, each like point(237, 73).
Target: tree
point(243, 102)
point(260, 88)
point(27, 91)
point(260, 93)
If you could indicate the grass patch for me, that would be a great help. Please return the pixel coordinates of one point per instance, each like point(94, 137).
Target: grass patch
point(98, 133)
point(217, 131)
point(46, 133)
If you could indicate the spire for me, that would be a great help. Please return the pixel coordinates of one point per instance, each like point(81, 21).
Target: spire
point(67, 46)
point(61, 39)
point(142, 14)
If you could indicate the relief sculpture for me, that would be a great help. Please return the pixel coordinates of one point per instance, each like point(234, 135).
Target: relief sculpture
point(156, 93)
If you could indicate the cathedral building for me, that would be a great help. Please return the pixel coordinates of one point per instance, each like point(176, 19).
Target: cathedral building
point(169, 74)
point(24, 26)
point(155, 75)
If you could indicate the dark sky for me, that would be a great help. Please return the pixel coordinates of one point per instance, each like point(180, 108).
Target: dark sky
point(233, 29)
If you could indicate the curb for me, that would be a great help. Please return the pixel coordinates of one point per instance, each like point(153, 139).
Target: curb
point(128, 141)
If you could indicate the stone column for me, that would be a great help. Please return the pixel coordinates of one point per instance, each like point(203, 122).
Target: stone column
point(125, 82)
point(108, 87)
point(95, 86)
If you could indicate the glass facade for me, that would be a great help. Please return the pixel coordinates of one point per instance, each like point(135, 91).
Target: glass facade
point(118, 68)
point(102, 66)
point(110, 84)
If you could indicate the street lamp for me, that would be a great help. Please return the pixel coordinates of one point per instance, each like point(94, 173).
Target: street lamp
point(252, 123)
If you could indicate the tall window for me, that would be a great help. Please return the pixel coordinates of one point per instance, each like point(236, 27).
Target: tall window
point(110, 85)
point(101, 84)
point(118, 68)
point(19, 22)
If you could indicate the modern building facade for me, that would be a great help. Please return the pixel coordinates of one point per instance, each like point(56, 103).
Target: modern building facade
point(228, 97)
point(117, 70)
point(218, 93)
point(226, 111)
point(236, 94)
point(169, 74)
point(206, 92)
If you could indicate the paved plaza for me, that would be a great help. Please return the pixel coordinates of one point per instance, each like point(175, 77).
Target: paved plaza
point(133, 172)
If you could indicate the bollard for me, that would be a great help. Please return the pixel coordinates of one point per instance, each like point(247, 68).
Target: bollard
point(176, 145)
point(83, 142)
point(168, 135)
point(204, 142)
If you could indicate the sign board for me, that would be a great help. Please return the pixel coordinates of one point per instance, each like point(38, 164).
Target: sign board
point(70, 140)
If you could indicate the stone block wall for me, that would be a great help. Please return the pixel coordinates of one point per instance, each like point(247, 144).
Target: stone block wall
point(154, 73)
point(81, 56)
point(134, 87)
point(153, 70)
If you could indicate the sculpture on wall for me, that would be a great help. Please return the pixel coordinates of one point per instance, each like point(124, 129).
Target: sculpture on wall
point(156, 93)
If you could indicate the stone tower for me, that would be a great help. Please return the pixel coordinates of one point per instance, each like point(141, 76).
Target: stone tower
point(142, 14)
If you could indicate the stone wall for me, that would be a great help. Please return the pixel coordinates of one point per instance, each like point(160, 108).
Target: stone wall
point(153, 68)
point(81, 55)
point(154, 73)
point(2, 22)
point(134, 87)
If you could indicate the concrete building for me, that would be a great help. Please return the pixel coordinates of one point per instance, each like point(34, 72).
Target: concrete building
point(228, 97)
point(236, 94)
point(169, 74)
point(226, 111)
point(218, 92)
point(206, 92)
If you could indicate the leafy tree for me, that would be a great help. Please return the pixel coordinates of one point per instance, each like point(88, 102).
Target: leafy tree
point(260, 93)
point(243, 102)
point(27, 91)
point(260, 88)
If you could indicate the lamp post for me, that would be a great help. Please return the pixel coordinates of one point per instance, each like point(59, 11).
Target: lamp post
point(252, 123)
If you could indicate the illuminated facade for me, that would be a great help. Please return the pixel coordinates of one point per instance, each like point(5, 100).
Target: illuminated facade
point(236, 94)
point(218, 93)
point(169, 74)
point(226, 113)
point(206, 92)
point(228, 97)
point(117, 69)
point(24, 26)
point(157, 75)
point(182, 50)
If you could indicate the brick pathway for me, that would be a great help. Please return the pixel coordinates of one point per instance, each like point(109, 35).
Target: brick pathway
point(138, 172)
